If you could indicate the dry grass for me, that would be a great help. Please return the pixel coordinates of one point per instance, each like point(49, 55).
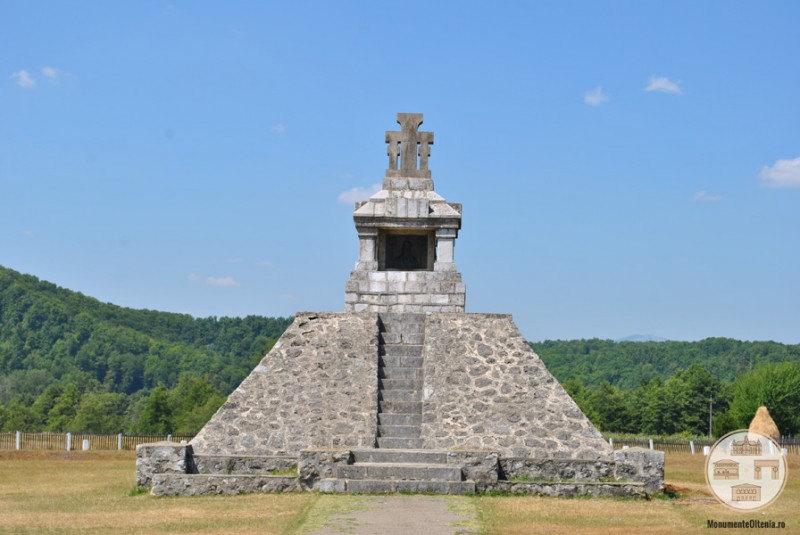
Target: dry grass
point(688, 513)
point(88, 492)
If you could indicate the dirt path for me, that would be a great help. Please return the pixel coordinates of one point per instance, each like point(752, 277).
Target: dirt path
point(393, 515)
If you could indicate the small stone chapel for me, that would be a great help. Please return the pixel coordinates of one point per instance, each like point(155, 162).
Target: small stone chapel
point(404, 391)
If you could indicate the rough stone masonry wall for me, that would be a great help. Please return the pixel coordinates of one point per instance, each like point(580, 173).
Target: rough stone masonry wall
point(485, 389)
point(317, 387)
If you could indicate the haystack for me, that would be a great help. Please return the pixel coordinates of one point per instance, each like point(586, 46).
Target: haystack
point(763, 424)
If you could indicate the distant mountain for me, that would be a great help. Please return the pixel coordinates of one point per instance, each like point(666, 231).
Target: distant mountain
point(642, 338)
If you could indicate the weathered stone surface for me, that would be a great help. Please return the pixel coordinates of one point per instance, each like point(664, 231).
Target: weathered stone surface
point(317, 387)
point(232, 464)
point(160, 458)
point(317, 465)
point(486, 389)
point(427, 292)
point(480, 467)
point(378, 486)
point(572, 490)
point(556, 469)
point(640, 465)
point(202, 484)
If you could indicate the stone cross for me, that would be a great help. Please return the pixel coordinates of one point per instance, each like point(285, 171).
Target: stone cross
point(408, 144)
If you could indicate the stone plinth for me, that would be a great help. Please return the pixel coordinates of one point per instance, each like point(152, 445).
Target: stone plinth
point(642, 465)
point(405, 291)
point(161, 458)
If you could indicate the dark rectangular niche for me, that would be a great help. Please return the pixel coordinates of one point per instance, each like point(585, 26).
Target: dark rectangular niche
point(406, 252)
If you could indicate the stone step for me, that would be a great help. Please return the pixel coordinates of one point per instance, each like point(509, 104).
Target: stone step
point(398, 372)
point(399, 395)
point(400, 407)
point(404, 327)
point(400, 361)
point(399, 419)
point(400, 443)
point(402, 338)
point(399, 431)
point(400, 350)
point(403, 471)
point(400, 384)
point(400, 456)
point(372, 486)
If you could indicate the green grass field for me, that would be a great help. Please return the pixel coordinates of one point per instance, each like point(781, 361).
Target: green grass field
point(93, 492)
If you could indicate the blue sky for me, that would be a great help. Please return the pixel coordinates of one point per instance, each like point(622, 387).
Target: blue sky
point(625, 167)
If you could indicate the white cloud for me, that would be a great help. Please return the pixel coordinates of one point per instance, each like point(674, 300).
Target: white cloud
point(213, 281)
point(784, 174)
point(358, 194)
point(265, 264)
point(702, 195)
point(52, 74)
point(221, 281)
point(595, 97)
point(24, 79)
point(663, 84)
point(279, 128)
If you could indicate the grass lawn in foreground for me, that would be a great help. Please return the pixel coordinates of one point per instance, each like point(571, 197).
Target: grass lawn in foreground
point(688, 513)
point(89, 492)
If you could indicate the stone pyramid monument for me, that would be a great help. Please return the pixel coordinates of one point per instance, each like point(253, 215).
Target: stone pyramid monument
point(404, 391)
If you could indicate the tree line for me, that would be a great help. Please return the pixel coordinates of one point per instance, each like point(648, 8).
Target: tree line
point(71, 363)
point(678, 388)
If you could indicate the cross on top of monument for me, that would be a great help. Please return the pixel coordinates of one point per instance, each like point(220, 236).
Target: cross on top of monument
point(410, 146)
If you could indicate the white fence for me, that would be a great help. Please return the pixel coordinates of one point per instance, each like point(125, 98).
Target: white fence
point(80, 441)
point(790, 444)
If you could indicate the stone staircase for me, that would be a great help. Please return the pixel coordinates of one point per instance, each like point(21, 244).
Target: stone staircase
point(382, 471)
point(398, 464)
point(402, 336)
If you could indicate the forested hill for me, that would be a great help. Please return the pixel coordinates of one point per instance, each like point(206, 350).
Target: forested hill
point(71, 363)
point(48, 334)
point(629, 364)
